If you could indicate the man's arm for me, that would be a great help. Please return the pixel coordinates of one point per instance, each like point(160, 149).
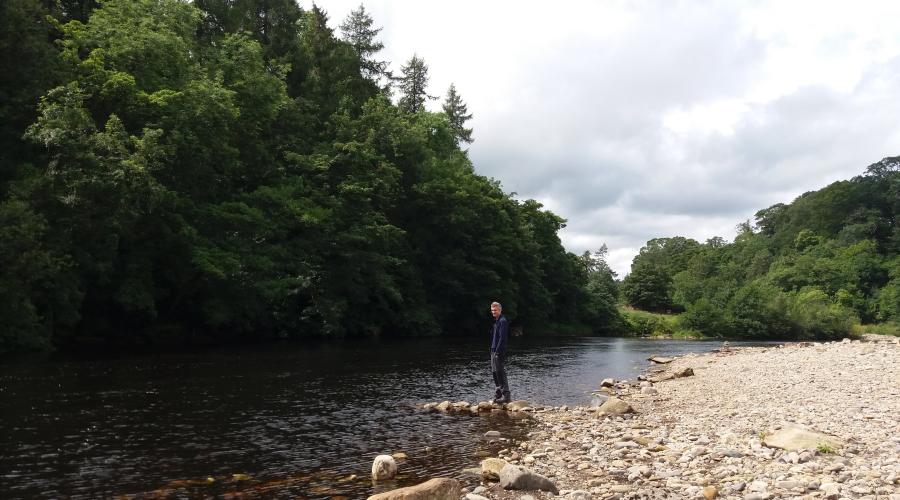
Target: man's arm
point(503, 332)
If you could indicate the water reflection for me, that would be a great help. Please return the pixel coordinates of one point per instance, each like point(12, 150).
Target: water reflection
point(303, 420)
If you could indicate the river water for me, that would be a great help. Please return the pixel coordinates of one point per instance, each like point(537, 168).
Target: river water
point(288, 420)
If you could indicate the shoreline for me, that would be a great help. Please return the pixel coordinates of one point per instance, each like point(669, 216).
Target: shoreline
point(710, 435)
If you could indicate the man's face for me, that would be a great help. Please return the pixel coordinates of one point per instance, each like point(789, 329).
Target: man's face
point(495, 311)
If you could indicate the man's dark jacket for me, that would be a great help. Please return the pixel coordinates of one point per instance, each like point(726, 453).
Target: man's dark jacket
point(498, 335)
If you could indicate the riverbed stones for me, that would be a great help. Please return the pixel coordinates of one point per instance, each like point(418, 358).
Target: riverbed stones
point(660, 360)
point(519, 478)
point(518, 405)
point(793, 437)
point(608, 382)
point(434, 489)
point(711, 430)
point(614, 406)
point(491, 467)
point(384, 467)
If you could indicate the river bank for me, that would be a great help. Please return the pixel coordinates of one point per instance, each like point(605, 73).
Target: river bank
point(712, 434)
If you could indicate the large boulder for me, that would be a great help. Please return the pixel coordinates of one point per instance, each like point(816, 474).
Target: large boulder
point(519, 478)
point(615, 406)
point(384, 467)
point(491, 467)
point(440, 488)
point(792, 438)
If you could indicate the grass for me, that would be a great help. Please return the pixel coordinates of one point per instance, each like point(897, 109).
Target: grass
point(824, 448)
point(880, 329)
point(650, 324)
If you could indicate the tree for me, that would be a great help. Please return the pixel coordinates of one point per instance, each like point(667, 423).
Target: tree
point(357, 30)
point(458, 114)
point(413, 86)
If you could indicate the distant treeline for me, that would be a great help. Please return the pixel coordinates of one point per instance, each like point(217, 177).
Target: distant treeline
point(235, 170)
point(809, 269)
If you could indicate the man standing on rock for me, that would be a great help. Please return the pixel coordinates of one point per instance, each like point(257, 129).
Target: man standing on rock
point(499, 334)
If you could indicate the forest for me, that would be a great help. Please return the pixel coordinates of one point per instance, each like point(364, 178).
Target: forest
point(810, 269)
point(234, 171)
point(240, 171)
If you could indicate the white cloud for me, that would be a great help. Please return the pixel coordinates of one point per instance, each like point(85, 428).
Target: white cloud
point(636, 120)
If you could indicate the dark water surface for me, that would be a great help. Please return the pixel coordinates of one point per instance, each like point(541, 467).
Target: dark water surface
point(288, 420)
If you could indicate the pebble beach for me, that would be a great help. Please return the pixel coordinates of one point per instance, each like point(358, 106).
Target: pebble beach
point(723, 429)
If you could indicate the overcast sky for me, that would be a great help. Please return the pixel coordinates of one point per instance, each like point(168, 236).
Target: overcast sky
point(636, 120)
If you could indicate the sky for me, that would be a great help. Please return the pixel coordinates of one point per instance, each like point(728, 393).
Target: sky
point(636, 120)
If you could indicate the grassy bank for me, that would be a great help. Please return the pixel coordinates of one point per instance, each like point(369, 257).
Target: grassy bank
point(648, 324)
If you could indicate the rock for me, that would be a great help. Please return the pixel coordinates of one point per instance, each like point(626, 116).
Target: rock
point(518, 405)
point(491, 467)
point(687, 372)
point(710, 492)
point(792, 438)
point(492, 434)
point(473, 496)
point(399, 455)
point(384, 467)
point(661, 378)
point(579, 495)
point(443, 406)
point(519, 478)
point(479, 490)
point(434, 489)
point(615, 406)
point(660, 360)
point(607, 382)
point(649, 390)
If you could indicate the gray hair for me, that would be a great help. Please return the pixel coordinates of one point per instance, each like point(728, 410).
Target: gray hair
point(497, 304)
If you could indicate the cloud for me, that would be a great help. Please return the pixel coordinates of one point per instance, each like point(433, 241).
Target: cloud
point(636, 120)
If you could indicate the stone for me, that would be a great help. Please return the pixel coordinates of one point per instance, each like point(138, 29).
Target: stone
point(519, 478)
point(443, 406)
point(473, 496)
point(687, 372)
point(384, 467)
point(491, 467)
point(492, 434)
point(399, 455)
point(440, 488)
point(518, 405)
point(649, 390)
point(792, 438)
point(660, 360)
point(615, 406)
point(607, 382)
point(710, 492)
point(579, 495)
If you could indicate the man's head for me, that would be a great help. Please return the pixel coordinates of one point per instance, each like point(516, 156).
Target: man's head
point(496, 309)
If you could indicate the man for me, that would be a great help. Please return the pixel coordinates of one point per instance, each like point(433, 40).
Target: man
point(499, 334)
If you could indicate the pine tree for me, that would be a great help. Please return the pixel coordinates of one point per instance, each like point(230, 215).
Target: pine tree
point(357, 30)
point(413, 85)
point(457, 112)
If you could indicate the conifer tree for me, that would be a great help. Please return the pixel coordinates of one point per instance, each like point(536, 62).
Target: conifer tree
point(413, 84)
point(357, 30)
point(457, 112)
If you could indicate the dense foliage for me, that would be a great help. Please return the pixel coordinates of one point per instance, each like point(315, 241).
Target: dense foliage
point(809, 269)
point(236, 170)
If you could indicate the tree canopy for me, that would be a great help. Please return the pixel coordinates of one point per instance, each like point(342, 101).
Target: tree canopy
point(233, 171)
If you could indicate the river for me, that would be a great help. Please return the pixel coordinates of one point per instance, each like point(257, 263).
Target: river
point(294, 420)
